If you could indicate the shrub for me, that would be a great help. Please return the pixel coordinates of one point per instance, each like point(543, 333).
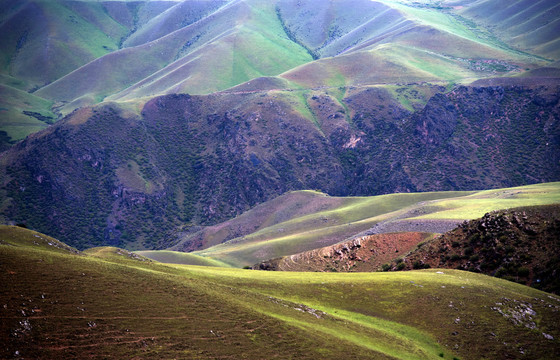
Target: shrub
point(385, 267)
point(523, 271)
point(401, 265)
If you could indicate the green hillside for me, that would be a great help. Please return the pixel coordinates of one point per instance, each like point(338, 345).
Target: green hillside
point(61, 304)
point(125, 50)
point(45, 40)
point(253, 237)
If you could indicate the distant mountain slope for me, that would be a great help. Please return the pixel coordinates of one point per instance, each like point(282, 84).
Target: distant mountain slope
point(243, 39)
point(126, 50)
point(111, 176)
point(107, 303)
point(44, 40)
point(526, 24)
point(236, 43)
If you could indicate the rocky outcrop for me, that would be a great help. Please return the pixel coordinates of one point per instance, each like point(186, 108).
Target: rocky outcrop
point(521, 245)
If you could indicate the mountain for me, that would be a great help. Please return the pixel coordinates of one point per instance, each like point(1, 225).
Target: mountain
point(67, 54)
point(351, 98)
point(108, 302)
point(112, 174)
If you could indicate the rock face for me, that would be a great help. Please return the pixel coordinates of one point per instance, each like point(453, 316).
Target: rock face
point(367, 253)
point(520, 245)
point(108, 176)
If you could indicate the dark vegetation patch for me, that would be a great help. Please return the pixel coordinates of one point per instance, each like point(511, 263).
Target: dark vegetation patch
point(520, 245)
point(205, 159)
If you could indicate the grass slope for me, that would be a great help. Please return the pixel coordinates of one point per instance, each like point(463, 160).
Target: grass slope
point(528, 25)
point(430, 212)
point(60, 304)
point(240, 41)
point(175, 257)
point(22, 113)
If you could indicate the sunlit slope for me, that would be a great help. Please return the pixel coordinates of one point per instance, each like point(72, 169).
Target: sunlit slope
point(175, 257)
point(59, 304)
point(236, 43)
point(22, 113)
point(428, 212)
point(358, 42)
point(528, 25)
point(404, 42)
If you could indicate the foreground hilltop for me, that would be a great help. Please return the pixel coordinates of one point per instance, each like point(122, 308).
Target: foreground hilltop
point(108, 302)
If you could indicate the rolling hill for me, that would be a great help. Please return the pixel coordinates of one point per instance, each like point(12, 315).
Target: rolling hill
point(126, 50)
point(517, 244)
point(113, 174)
point(351, 219)
point(60, 303)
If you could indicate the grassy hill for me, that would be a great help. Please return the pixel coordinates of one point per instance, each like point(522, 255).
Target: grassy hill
point(46, 40)
point(61, 304)
point(365, 43)
point(148, 171)
point(126, 50)
point(353, 218)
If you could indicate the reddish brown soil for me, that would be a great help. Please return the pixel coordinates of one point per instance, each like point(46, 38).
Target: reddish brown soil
point(367, 253)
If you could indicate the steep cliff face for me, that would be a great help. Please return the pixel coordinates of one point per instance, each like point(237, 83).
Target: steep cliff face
point(105, 175)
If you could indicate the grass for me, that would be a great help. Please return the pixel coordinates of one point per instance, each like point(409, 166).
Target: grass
point(99, 304)
point(175, 257)
point(356, 214)
point(17, 125)
point(476, 205)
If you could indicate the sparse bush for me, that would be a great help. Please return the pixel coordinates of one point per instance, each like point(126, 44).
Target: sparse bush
point(523, 271)
point(401, 265)
point(455, 257)
point(385, 267)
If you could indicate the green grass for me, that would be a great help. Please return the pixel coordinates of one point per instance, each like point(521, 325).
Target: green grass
point(13, 121)
point(356, 214)
point(101, 304)
point(476, 205)
point(175, 257)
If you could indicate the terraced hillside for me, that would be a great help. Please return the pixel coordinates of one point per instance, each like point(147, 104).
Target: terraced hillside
point(109, 303)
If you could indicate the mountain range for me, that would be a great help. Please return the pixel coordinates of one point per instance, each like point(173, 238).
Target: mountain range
point(154, 152)
point(180, 114)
